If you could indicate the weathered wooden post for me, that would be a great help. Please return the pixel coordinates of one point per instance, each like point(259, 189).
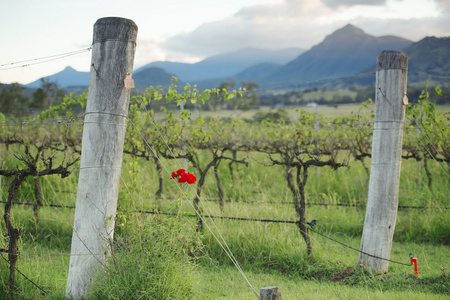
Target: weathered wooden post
point(105, 122)
point(382, 204)
point(270, 293)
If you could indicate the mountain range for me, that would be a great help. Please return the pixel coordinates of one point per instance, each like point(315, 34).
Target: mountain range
point(345, 52)
point(225, 65)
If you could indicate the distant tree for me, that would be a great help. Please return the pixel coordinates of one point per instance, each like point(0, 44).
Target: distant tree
point(13, 100)
point(365, 94)
point(228, 85)
point(249, 99)
point(38, 99)
point(347, 99)
point(279, 116)
point(47, 95)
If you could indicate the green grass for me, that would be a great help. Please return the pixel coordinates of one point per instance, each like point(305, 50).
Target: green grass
point(270, 254)
point(369, 287)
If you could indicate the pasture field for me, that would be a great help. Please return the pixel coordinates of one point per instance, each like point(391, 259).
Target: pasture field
point(270, 254)
point(292, 111)
point(330, 111)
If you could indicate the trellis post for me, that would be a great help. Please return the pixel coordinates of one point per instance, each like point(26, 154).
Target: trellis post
point(105, 122)
point(382, 204)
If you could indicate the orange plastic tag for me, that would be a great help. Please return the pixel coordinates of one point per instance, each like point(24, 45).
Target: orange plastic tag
point(128, 82)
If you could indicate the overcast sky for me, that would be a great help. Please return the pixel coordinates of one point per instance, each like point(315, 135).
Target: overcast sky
point(190, 30)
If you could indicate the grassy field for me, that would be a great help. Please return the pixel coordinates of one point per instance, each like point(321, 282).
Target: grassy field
point(325, 110)
point(329, 111)
point(270, 254)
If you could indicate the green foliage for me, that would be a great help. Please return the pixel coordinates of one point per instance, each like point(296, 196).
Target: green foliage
point(152, 259)
point(189, 93)
point(48, 95)
point(432, 137)
point(65, 108)
point(13, 100)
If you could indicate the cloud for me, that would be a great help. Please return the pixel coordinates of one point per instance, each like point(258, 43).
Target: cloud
point(148, 49)
point(303, 24)
point(403, 27)
point(269, 26)
point(444, 5)
point(338, 3)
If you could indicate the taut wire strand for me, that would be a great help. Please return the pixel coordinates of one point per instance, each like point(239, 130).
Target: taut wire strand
point(41, 60)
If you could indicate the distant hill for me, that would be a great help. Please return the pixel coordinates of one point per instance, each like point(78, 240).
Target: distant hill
point(73, 80)
point(225, 65)
point(69, 77)
point(257, 72)
point(344, 52)
point(212, 69)
point(429, 60)
point(151, 76)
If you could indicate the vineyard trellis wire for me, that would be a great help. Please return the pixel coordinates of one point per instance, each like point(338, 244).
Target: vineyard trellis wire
point(247, 219)
point(40, 60)
point(252, 202)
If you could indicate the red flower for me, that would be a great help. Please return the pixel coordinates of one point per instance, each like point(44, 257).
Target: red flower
point(184, 176)
point(191, 178)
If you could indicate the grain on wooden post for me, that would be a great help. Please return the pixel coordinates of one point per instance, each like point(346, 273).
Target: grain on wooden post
point(270, 293)
point(105, 122)
point(382, 204)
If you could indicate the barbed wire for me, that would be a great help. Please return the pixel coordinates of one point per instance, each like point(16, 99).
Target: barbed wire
point(242, 218)
point(35, 284)
point(328, 204)
point(70, 121)
point(40, 60)
point(350, 247)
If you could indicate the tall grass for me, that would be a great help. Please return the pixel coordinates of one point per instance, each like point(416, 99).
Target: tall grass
point(270, 253)
point(152, 259)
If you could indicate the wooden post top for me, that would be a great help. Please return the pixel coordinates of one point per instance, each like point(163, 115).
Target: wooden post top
point(115, 29)
point(390, 59)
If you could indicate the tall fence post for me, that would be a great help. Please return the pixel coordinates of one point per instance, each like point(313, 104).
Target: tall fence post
point(105, 122)
point(382, 204)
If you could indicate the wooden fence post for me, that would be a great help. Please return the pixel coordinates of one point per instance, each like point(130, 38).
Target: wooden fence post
point(382, 204)
point(105, 122)
point(270, 293)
